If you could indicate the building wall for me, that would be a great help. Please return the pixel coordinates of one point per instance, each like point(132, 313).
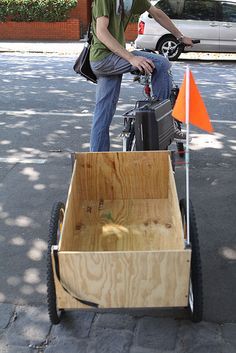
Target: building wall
point(68, 30)
point(82, 12)
point(72, 29)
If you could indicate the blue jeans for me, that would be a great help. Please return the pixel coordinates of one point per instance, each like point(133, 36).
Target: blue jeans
point(109, 74)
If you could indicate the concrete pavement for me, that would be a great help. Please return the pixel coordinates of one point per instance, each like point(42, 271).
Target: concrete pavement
point(63, 48)
point(26, 328)
point(73, 48)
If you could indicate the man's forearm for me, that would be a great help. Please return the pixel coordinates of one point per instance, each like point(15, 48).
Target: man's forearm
point(104, 35)
point(165, 21)
point(111, 43)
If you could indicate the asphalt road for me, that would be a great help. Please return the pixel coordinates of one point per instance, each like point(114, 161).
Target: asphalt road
point(46, 110)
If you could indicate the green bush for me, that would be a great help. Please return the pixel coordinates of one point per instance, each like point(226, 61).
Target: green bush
point(3, 10)
point(35, 10)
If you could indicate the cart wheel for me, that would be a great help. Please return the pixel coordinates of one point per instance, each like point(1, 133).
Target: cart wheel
point(130, 143)
point(55, 226)
point(195, 285)
point(180, 145)
point(172, 154)
point(181, 149)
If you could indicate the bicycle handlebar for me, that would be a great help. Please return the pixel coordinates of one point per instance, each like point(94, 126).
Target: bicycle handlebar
point(180, 44)
point(196, 41)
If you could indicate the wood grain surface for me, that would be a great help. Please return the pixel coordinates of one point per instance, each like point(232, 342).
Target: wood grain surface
point(128, 279)
point(122, 239)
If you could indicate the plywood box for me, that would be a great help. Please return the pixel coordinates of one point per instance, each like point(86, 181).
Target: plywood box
point(122, 239)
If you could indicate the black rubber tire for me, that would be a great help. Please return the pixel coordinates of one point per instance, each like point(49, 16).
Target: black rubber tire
point(167, 41)
point(180, 145)
point(195, 306)
point(130, 139)
point(174, 95)
point(172, 155)
point(56, 213)
point(181, 149)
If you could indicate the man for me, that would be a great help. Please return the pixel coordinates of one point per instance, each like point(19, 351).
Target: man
point(109, 60)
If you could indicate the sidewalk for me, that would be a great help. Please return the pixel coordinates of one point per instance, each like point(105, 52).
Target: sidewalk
point(74, 48)
point(27, 329)
point(62, 48)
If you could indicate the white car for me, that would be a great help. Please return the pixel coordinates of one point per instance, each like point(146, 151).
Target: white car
point(211, 21)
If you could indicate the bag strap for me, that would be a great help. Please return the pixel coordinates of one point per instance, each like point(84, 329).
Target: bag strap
point(89, 34)
point(121, 4)
point(57, 270)
point(122, 9)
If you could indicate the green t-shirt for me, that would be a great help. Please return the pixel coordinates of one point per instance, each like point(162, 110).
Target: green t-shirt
point(116, 26)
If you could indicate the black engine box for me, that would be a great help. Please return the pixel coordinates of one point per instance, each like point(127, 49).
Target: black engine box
point(154, 126)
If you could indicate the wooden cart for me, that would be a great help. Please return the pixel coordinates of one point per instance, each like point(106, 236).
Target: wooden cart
point(120, 242)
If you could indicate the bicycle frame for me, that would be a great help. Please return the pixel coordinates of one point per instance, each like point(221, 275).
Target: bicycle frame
point(129, 117)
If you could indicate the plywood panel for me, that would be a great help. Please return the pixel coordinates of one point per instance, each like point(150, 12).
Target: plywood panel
point(173, 206)
point(128, 279)
point(63, 299)
point(125, 225)
point(122, 175)
point(71, 211)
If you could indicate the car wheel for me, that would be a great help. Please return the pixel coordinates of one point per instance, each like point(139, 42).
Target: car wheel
point(165, 44)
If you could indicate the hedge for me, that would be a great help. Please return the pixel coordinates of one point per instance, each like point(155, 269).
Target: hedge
point(35, 10)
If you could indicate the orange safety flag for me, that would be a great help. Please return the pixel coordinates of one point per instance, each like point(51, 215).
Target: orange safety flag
point(198, 115)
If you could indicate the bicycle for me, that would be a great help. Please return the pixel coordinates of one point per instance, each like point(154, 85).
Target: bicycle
point(129, 133)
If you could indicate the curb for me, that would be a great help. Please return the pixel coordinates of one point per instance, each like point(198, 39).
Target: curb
point(74, 48)
point(61, 48)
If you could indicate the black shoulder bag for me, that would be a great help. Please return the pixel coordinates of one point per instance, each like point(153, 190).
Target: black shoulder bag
point(82, 64)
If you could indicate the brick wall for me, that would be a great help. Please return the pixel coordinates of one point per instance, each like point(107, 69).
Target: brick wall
point(72, 29)
point(82, 11)
point(68, 30)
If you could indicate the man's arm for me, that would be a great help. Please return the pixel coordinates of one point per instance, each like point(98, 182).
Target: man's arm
point(166, 22)
point(111, 43)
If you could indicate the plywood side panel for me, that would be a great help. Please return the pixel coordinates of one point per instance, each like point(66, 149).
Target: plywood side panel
point(128, 279)
point(63, 299)
point(71, 212)
point(125, 225)
point(122, 175)
point(175, 214)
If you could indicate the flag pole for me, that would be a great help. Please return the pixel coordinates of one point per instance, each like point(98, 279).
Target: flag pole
point(187, 106)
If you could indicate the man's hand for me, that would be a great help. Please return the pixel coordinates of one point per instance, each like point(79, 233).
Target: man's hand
point(142, 63)
point(187, 41)
point(110, 42)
